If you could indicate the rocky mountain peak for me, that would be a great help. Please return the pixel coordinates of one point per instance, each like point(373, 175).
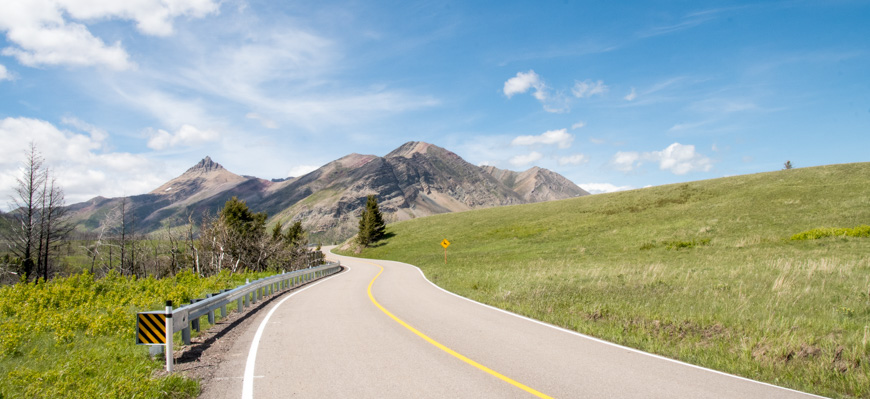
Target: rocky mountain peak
point(204, 166)
point(410, 148)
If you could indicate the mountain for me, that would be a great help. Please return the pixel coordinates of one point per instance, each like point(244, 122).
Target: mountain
point(417, 179)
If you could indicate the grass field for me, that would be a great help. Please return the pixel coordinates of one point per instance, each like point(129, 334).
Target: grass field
point(706, 272)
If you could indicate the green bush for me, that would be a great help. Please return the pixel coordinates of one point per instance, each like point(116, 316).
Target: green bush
point(823, 232)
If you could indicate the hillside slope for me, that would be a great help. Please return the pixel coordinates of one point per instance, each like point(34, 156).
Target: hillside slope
point(704, 271)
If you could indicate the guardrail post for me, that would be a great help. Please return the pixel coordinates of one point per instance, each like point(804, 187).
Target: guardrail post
point(194, 322)
point(170, 357)
point(185, 334)
point(210, 312)
point(224, 307)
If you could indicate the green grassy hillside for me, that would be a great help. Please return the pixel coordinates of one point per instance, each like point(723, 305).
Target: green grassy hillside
point(705, 272)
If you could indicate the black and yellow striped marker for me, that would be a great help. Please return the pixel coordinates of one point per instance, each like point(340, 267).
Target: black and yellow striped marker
point(150, 329)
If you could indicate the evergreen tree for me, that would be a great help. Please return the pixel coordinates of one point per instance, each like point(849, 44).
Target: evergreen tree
point(245, 231)
point(371, 223)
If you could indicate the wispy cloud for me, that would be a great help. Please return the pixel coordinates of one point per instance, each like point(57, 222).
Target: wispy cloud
point(560, 138)
point(186, 136)
point(575, 159)
point(266, 122)
point(523, 160)
point(723, 105)
point(677, 158)
point(687, 126)
point(588, 88)
point(554, 101)
point(4, 73)
point(687, 21)
point(647, 95)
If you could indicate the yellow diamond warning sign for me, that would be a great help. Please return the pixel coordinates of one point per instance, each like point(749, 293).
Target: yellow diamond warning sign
point(150, 329)
point(445, 243)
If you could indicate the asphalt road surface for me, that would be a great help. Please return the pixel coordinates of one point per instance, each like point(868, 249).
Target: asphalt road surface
point(381, 330)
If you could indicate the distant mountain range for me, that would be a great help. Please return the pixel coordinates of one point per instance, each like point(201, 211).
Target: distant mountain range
point(417, 179)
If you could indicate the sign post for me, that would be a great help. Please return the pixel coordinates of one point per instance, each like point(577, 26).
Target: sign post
point(445, 244)
point(170, 358)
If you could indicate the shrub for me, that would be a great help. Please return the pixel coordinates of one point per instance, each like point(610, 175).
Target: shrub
point(823, 232)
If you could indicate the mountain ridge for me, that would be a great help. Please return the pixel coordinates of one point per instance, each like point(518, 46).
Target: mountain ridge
point(414, 180)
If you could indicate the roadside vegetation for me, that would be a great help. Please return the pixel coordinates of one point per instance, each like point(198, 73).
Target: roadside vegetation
point(74, 337)
point(68, 299)
point(765, 276)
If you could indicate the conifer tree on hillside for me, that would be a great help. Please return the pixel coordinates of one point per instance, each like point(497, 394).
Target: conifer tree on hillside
point(371, 223)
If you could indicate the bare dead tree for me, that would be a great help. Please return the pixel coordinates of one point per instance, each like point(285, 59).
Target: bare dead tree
point(22, 238)
point(191, 244)
point(123, 235)
point(54, 228)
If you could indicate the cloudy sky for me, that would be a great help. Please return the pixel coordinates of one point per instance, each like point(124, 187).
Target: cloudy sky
point(120, 96)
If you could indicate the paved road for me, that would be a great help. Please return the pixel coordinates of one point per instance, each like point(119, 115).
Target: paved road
point(381, 330)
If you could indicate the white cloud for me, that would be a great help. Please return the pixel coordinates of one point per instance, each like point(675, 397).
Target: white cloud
point(187, 135)
point(54, 32)
point(595, 140)
point(625, 160)
point(576, 159)
point(681, 159)
point(301, 170)
point(578, 125)
point(599, 188)
point(522, 160)
point(80, 162)
point(4, 74)
point(588, 88)
point(559, 137)
point(523, 82)
point(677, 158)
point(554, 101)
point(63, 44)
point(632, 95)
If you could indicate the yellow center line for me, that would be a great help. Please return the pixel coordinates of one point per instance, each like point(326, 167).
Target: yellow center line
point(446, 349)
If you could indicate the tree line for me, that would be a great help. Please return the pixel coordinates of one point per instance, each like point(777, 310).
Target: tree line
point(40, 240)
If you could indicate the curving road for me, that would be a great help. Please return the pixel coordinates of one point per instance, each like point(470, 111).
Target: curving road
point(381, 330)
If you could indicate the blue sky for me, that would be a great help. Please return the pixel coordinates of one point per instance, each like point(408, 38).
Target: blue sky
point(122, 96)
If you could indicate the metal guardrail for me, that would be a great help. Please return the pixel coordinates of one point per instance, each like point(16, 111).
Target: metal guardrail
point(187, 316)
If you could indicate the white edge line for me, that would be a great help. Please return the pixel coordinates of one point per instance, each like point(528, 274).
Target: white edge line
point(600, 340)
point(248, 382)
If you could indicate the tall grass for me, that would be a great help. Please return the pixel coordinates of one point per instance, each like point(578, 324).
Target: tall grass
point(74, 337)
point(704, 272)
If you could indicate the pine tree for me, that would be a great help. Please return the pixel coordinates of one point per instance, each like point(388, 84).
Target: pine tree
point(371, 223)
